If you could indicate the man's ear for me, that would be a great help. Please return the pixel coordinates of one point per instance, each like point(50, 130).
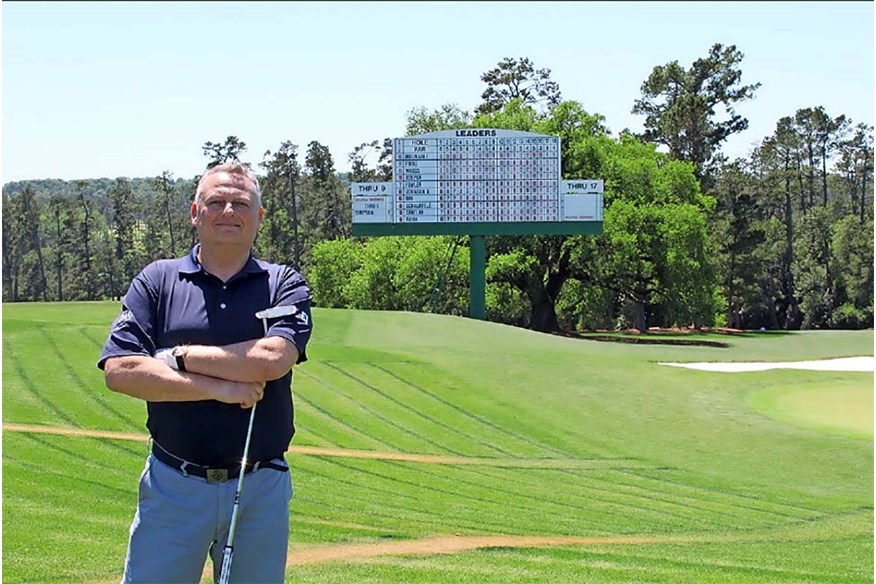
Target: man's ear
point(194, 214)
point(261, 213)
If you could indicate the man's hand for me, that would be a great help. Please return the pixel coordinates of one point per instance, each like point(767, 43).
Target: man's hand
point(262, 359)
point(245, 393)
point(152, 380)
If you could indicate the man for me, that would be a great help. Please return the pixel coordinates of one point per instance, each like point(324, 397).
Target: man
point(188, 343)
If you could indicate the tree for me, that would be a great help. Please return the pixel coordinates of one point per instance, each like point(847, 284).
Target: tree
point(13, 247)
point(852, 249)
point(655, 255)
point(576, 129)
point(124, 222)
point(328, 205)
point(820, 137)
point(538, 267)
point(814, 269)
point(219, 153)
point(164, 184)
point(360, 171)
point(856, 167)
point(680, 105)
point(332, 264)
point(31, 210)
point(374, 286)
point(61, 215)
point(738, 233)
point(775, 159)
point(280, 199)
point(534, 269)
point(447, 117)
point(24, 273)
point(84, 274)
point(391, 273)
point(518, 79)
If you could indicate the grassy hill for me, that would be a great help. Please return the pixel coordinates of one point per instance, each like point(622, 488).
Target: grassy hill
point(662, 474)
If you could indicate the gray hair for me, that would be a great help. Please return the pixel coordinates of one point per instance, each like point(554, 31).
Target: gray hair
point(232, 167)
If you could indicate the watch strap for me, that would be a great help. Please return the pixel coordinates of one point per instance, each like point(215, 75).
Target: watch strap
point(179, 353)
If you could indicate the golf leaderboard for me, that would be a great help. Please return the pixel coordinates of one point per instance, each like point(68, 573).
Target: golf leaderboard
point(475, 176)
point(477, 182)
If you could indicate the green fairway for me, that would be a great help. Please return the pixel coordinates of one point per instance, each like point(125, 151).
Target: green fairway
point(616, 468)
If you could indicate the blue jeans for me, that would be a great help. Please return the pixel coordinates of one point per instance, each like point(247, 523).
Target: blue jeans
point(181, 519)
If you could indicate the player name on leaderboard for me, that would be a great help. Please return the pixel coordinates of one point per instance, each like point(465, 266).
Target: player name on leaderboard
point(473, 176)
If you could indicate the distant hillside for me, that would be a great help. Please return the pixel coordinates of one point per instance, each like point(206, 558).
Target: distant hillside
point(95, 188)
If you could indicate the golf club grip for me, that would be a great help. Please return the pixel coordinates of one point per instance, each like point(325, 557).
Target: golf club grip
point(227, 554)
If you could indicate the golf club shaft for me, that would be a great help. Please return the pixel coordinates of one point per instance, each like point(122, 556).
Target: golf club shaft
point(228, 551)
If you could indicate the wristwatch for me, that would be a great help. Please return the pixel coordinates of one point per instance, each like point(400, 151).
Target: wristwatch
point(179, 352)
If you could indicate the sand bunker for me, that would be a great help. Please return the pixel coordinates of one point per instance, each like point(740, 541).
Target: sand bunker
point(842, 364)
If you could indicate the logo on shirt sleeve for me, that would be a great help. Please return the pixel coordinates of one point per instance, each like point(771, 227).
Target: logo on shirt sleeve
point(123, 317)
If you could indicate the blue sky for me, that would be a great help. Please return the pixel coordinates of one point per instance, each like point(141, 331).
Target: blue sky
point(134, 88)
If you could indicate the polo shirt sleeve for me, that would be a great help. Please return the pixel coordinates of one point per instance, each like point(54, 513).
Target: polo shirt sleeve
point(293, 290)
point(132, 331)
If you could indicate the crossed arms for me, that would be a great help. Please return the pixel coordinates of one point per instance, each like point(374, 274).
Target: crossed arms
point(234, 373)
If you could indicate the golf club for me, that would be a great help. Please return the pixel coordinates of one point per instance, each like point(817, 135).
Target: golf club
point(228, 551)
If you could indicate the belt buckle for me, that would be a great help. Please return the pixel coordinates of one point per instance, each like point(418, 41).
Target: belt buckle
point(217, 475)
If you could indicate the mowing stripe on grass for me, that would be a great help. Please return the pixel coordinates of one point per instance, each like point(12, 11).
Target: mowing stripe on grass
point(393, 502)
point(79, 383)
point(85, 331)
point(480, 419)
point(370, 413)
point(30, 386)
point(470, 427)
point(662, 483)
point(590, 502)
point(583, 494)
point(428, 490)
point(320, 414)
point(415, 411)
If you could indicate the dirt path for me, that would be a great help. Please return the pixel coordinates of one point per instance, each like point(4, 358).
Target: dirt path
point(430, 545)
point(306, 450)
point(545, 463)
point(309, 555)
point(446, 545)
point(457, 544)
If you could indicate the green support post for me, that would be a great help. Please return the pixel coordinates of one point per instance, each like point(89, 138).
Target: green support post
point(478, 278)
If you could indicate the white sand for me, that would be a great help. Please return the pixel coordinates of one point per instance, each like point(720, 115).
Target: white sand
point(843, 364)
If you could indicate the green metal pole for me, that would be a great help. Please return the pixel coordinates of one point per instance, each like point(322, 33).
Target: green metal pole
point(478, 278)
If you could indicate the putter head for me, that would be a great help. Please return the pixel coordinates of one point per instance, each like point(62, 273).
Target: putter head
point(276, 312)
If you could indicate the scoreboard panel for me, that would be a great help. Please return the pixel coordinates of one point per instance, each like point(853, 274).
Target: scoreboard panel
point(476, 177)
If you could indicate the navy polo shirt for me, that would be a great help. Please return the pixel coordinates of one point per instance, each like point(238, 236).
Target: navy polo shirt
point(175, 302)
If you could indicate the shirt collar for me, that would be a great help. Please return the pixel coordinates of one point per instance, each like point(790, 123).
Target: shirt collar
point(191, 265)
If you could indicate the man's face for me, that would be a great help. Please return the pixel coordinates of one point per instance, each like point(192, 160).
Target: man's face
point(227, 213)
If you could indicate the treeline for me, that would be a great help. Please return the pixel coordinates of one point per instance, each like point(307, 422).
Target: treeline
point(781, 239)
point(86, 239)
